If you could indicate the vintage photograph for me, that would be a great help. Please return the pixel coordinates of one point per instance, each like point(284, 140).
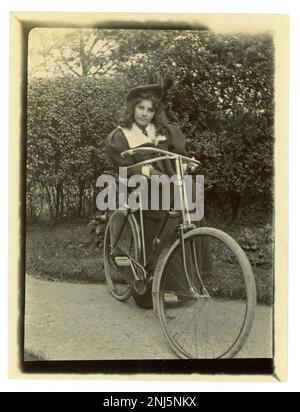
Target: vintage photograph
point(120, 267)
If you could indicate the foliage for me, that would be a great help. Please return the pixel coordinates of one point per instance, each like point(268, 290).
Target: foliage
point(228, 118)
point(67, 127)
point(258, 244)
point(97, 227)
point(222, 98)
point(90, 52)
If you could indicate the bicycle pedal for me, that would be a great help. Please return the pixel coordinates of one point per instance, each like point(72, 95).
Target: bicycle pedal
point(170, 298)
point(122, 261)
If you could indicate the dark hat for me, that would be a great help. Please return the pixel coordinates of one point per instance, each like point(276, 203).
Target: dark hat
point(158, 89)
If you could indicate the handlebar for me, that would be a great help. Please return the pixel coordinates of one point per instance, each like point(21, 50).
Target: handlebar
point(167, 155)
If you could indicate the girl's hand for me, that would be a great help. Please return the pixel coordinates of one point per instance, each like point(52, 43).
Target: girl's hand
point(148, 171)
point(192, 168)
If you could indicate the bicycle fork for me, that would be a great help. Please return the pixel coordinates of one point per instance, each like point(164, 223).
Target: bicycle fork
point(185, 226)
point(204, 293)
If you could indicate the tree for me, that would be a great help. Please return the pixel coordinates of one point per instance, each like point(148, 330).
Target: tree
point(80, 53)
point(89, 52)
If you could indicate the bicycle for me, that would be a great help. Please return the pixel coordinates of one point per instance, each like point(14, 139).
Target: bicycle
point(204, 314)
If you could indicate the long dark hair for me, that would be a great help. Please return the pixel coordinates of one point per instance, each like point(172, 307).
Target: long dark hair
point(126, 118)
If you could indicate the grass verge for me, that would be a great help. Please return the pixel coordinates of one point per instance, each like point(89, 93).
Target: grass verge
point(57, 252)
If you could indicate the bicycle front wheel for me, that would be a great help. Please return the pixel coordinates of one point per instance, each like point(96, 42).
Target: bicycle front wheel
point(209, 314)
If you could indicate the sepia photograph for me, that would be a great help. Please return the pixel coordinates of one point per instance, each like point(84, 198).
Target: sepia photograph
point(149, 196)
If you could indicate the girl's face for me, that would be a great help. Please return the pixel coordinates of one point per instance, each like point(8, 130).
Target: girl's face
point(144, 113)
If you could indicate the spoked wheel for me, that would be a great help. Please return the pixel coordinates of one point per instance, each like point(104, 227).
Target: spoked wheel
point(209, 316)
point(119, 279)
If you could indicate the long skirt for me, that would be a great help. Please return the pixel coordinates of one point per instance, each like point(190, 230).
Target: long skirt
point(153, 221)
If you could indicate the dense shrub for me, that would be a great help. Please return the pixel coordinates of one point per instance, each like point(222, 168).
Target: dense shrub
point(223, 98)
point(68, 120)
point(258, 244)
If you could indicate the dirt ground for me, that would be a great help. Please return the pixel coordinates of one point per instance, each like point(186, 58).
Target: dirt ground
point(65, 321)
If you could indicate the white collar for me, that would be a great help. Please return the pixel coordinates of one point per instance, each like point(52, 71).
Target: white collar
point(150, 129)
point(135, 136)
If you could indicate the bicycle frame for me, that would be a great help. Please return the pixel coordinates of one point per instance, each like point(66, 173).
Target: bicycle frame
point(186, 221)
point(185, 225)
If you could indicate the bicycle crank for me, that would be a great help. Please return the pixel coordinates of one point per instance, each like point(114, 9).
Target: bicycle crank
point(139, 274)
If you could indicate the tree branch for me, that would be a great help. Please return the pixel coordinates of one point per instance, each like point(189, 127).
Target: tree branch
point(106, 70)
point(68, 64)
point(104, 48)
point(94, 44)
point(83, 57)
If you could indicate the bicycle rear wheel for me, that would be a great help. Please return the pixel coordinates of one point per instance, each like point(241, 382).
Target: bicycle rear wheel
point(119, 279)
point(214, 320)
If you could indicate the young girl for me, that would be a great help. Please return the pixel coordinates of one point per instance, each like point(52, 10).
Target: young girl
point(144, 124)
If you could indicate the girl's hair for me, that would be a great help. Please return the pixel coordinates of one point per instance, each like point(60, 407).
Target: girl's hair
point(126, 118)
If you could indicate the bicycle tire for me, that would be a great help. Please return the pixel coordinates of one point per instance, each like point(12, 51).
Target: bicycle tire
point(243, 304)
point(130, 243)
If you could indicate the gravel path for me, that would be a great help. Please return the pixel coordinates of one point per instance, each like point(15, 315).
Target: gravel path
point(66, 321)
